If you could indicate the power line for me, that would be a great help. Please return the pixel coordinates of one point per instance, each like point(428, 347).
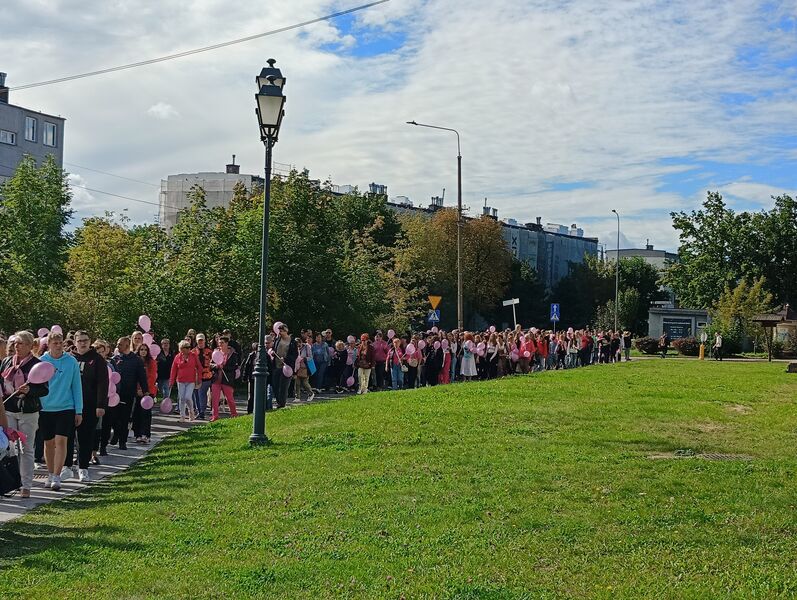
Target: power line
point(112, 175)
point(196, 50)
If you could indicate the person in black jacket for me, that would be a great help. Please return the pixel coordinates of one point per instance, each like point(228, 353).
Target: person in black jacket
point(131, 368)
point(94, 377)
point(434, 361)
point(285, 353)
point(247, 368)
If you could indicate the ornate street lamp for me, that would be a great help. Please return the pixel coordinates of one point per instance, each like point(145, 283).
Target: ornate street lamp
point(270, 110)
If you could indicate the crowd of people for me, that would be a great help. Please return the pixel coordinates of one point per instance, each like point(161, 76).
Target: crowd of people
point(96, 394)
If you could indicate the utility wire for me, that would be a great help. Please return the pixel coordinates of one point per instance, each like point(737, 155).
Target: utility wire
point(111, 174)
point(196, 50)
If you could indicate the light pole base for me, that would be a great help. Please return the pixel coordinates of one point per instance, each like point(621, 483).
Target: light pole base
point(259, 439)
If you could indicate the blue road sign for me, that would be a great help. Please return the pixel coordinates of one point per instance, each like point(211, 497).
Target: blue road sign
point(434, 316)
point(554, 312)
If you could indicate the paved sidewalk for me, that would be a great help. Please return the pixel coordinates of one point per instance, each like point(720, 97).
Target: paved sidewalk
point(163, 426)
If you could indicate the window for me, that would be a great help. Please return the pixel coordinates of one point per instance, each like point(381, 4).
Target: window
point(30, 129)
point(8, 137)
point(50, 137)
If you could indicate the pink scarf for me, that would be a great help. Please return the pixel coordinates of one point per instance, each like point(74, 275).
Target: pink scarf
point(13, 378)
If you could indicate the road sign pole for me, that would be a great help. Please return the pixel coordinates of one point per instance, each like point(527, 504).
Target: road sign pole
point(514, 316)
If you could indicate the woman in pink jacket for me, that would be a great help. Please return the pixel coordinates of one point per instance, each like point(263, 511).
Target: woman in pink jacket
point(187, 372)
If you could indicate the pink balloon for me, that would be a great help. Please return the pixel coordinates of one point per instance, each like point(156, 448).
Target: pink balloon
point(166, 406)
point(43, 332)
point(116, 377)
point(514, 355)
point(154, 350)
point(481, 346)
point(480, 351)
point(437, 345)
point(444, 344)
point(410, 349)
point(351, 339)
point(331, 351)
point(56, 329)
point(147, 402)
point(287, 371)
point(218, 357)
point(527, 354)
point(492, 328)
point(111, 389)
point(41, 372)
point(145, 323)
point(391, 334)
point(435, 330)
point(350, 381)
point(148, 338)
point(113, 400)
point(276, 328)
point(421, 345)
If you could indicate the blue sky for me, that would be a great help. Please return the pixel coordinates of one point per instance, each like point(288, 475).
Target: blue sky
point(567, 109)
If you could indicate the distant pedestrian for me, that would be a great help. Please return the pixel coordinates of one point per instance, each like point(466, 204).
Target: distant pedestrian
point(718, 346)
point(664, 343)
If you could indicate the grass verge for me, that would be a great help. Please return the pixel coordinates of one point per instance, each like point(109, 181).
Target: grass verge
point(530, 487)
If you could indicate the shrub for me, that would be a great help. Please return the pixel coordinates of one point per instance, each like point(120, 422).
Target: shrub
point(790, 346)
point(778, 348)
point(647, 345)
point(688, 346)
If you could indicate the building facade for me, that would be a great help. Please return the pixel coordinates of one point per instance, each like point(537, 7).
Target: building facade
point(548, 249)
point(677, 322)
point(219, 190)
point(660, 259)
point(24, 131)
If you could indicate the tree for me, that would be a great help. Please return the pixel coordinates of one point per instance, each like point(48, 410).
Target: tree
point(733, 313)
point(643, 278)
point(525, 285)
point(34, 211)
point(627, 312)
point(486, 261)
point(775, 248)
point(715, 251)
point(587, 286)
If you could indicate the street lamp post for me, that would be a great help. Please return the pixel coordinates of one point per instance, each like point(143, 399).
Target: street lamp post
point(460, 319)
point(617, 271)
point(270, 110)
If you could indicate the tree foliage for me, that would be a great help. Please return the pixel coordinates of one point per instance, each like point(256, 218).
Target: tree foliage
point(719, 248)
point(34, 210)
point(733, 313)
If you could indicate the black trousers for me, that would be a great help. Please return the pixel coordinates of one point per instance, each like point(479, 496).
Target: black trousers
point(142, 420)
point(379, 372)
point(250, 396)
point(85, 441)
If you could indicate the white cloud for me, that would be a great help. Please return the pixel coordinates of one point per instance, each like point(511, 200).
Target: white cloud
point(750, 192)
point(163, 111)
point(541, 92)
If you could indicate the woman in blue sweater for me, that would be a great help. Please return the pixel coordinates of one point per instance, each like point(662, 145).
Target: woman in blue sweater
point(62, 407)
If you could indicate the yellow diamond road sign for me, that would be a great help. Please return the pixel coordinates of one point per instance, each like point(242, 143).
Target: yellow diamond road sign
point(434, 301)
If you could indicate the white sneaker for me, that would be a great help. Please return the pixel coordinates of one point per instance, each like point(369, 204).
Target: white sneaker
point(311, 397)
point(56, 485)
point(49, 483)
point(83, 475)
point(66, 473)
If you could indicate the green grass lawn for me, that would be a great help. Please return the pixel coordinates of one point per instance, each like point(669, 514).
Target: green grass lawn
point(532, 487)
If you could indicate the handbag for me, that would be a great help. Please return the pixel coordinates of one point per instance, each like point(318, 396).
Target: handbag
point(10, 479)
point(404, 368)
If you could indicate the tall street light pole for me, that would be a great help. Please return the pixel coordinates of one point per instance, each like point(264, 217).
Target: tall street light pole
point(460, 311)
point(617, 271)
point(270, 110)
